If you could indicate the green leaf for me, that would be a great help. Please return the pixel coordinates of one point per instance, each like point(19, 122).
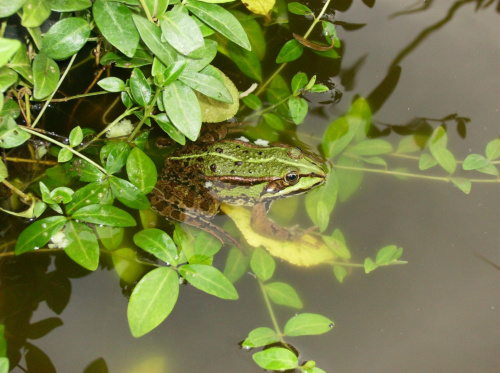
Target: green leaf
point(110, 237)
point(276, 358)
point(181, 32)
point(140, 88)
point(307, 324)
point(298, 109)
point(69, 6)
point(207, 85)
point(426, 161)
point(386, 254)
point(274, 121)
point(299, 9)
point(169, 128)
point(152, 300)
point(290, 51)
point(8, 47)
point(299, 80)
point(83, 247)
point(151, 36)
point(206, 245)
point(337, 246)
point(112, 84)
point(4, 365)
point(38, 234)
point(114, 155)
point(254, 31)
point(475, 161)
point(283, 294)
point(11, 135)
point(183, 109)
point(437, 146)
point(157, 7)
point(462, 183)
point(349, 179)
point(220, 20)
point(260, 337)
point(8, 77)
point(208, 279)
point(3, 342)
point(371, 147)
point(326, 193)
point(174, 71)
point(61, 194)
point(319, 88)
point(262, 264)
point(253, 102)
point(158, 243)
point(64, 155)
point(104, 214)
point(493, 149)
point(246, 60)
point(128, 194)
point(489, 170)
point(126, 265)
point(35, 12)
point(201, 57)
point(65, 38)
point(45, 75)
point(141, 170)
point(92, 193)
point(7, 8)
point(370, 265)
point(75, 136)
point(340, 273)
point(236, 264)
point(140, 58)
point(115, 22)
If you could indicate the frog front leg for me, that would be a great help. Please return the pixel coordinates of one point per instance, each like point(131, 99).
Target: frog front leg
point(263, 225)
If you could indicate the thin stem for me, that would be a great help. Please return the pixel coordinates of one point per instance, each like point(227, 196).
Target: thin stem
point(271, 311)
point(64, 99)
point(15, 190)
point(63, 76)
point(147, 114)
point(146, 10)
point(24, 160)
point(78, 154)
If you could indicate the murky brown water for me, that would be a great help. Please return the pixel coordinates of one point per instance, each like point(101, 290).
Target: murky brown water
point(438, 313)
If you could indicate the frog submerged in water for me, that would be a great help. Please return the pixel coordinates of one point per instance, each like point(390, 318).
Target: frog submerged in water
point(198, 177)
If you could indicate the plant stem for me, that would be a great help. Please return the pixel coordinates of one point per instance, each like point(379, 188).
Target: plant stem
point(24, 160)
point(63, 76)
point(15, 190)
point(271, 311)
point(146, 10)
point(64, 99)
point(147, 114)
point(78, 154)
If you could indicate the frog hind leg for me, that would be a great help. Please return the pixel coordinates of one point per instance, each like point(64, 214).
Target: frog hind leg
point(191, 206)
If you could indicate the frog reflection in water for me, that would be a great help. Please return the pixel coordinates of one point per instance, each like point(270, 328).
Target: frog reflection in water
point(198, 177)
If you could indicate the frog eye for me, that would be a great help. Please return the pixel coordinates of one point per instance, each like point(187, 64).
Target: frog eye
point(292, 177)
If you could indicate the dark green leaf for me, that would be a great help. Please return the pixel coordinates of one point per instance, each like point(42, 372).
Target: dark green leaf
point(158, 243)
point(208, 279)
point(254, 31)
point(141, 170)
point(151, 36)
point(253, 102)
point(86, 171)
point(11, 134)
point(207, 85)
point(276, 358)
point(260, 337)
point(169, 128)
point(8, 77)
point(115, 22)
point(299, 9)
point(45, 75)
point(21, 64)
point(112, 84)
point(262, 264)
point(83, 247)
point(247, 61)
point(61, 194)
point(69, 6)
point(307, 324)
point(139, 87)
point(283, 294)
point(290, 51)
point(43, 327)
point(152, 300)
point(181, 32)
point(128, 194)
point(173, 71)
point(299, 80)
point(183, 109)
point(65, 38)
point(3, 171)
point(104, 214)
point(39, 233)
point(220, 20)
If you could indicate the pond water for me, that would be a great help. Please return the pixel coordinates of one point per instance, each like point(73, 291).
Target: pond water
point(440, 312)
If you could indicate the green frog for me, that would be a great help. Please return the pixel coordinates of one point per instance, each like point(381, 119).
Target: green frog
point(198, 177)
